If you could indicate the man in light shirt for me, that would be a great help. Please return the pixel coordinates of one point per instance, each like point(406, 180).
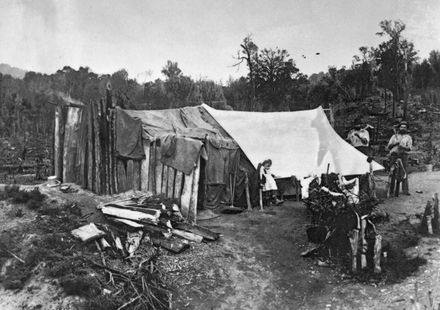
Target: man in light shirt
point(400, 144)
point(359, 138)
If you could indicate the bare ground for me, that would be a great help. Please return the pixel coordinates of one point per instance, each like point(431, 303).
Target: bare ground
point(257, 263)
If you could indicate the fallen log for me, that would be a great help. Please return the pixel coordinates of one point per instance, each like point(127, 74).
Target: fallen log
point(198, 230)
point(131, 215)
point(187, 235)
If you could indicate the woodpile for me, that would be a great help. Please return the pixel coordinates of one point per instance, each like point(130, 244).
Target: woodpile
point(342, 226)
point(157, 217)
point(129, 246)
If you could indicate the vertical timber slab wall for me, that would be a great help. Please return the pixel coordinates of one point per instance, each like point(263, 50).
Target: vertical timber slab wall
point(70, 144)
point(90, 150)
point(145, 167)
point(151, 169)
point(81, 157)
point(84, 146)
point(136, 175)
point(163, 190)
point(157, 178)
point(60, 124)
point(158, 170)
point(85, 153)
point(178, 183)
point(170, 182)
point(185, 198)
point(58, 150)
point(192, 214)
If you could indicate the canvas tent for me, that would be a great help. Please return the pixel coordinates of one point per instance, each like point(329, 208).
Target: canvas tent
point(299, 143)
point(197, 155)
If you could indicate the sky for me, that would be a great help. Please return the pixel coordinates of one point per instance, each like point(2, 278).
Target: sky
point(203, 36)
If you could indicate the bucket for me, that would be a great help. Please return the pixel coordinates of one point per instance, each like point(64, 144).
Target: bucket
point(52, 181)
point(429, 168)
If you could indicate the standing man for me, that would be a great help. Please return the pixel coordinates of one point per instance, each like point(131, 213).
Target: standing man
point(400, 144)
point(359, 138)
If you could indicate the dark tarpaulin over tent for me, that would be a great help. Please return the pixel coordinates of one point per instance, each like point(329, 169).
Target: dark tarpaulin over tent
point(185, 134)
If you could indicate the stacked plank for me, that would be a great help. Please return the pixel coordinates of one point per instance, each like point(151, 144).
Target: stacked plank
point(164, 223)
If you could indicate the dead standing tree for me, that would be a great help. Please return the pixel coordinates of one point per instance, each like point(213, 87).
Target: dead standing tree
point(248, 54)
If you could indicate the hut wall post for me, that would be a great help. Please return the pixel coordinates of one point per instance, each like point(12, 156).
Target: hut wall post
point(145, 167)
point(58, 151)
point(192, 216)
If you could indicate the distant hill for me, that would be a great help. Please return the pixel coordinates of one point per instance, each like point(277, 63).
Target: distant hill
point(12, 71)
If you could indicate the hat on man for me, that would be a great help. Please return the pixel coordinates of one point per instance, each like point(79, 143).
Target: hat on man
point(404, 123)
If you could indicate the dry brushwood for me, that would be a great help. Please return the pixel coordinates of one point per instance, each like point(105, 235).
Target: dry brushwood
point(140, 290)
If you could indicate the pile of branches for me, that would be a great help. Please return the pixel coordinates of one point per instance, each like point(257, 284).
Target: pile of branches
point(329, 199)
point(140, 286)
point(341, 223)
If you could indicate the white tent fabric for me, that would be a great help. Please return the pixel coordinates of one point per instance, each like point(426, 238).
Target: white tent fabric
point(298, 143)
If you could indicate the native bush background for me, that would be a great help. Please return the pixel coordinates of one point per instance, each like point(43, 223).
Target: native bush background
point(390, 75)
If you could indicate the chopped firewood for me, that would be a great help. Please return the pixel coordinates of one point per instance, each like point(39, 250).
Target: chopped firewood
point(118, 244)
point(133, 241)
point(187, 235)
point(128, 222)
point(133, 208)
point(198, 230)
point(88, 232)
point(131, 215)
point(104, 244)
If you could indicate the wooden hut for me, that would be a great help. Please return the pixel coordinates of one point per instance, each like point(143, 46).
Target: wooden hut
point(182, 154)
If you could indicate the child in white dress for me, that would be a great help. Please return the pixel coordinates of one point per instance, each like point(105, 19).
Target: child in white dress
point(268, 183)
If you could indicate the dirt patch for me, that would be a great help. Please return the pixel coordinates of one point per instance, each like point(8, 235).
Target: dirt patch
point(257, 263)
